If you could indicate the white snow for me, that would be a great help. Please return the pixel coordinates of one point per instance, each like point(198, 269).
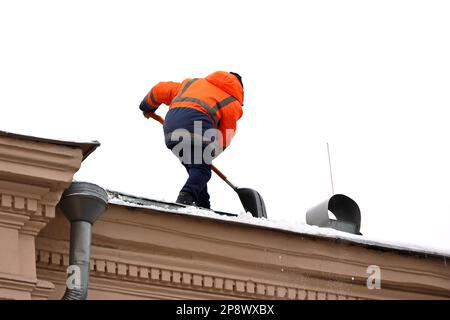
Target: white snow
point(297, 227)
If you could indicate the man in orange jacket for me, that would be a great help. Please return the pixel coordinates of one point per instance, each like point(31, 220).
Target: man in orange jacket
point(198, 107)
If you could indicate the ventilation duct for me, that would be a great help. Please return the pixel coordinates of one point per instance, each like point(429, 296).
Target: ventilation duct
point(82, 203)
point(345, 210)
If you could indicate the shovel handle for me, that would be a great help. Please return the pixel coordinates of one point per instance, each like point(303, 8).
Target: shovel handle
point(217, 171)
point(223, 177)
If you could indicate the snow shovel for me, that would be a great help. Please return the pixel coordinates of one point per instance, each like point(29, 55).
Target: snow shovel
point(251, 200)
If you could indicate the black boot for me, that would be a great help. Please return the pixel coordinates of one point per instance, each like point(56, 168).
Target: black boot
point(185, 198)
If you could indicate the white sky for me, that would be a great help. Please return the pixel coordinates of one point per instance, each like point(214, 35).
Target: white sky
point(372, 78)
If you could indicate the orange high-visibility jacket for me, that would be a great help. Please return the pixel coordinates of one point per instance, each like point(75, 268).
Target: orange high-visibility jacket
point(220, 96)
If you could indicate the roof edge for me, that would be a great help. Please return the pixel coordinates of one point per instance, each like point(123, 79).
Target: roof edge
point(87, 147)
point(327, 234)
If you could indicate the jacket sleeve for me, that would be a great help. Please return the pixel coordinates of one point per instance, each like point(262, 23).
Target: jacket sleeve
point(163, 92)
point(228, 123)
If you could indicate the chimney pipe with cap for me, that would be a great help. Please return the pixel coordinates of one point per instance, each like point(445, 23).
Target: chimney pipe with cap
point(82, 203)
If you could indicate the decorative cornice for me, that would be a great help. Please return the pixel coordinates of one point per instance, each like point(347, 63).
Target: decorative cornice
point(171, 252)
point(87, 147)
point(30, 206)
point(40, 164)
point(27, 213)
point(33, 175)
point(194, 281)
point(342, 263)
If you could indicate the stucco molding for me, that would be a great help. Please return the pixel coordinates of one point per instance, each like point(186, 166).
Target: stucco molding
point(179, 278)
point(33, 175)
point(281, 252)
point(30, 159)
point(26, 212)
point(207, 257)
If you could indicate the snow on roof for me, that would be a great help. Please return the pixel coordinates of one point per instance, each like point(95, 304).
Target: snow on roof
point(86, 146)
point(123, 199)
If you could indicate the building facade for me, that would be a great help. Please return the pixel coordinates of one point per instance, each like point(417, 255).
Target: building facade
point(146, 249)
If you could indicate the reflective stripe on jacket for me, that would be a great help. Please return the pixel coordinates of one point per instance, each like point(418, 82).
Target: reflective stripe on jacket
point(219, 95)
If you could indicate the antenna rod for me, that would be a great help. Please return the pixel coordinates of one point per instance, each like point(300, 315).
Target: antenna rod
point(331, 172)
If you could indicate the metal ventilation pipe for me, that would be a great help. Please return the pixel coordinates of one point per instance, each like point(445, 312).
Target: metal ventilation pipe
point(82, 203)
point(345, 210)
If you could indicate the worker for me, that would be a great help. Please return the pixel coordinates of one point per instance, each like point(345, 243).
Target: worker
point(201, 120)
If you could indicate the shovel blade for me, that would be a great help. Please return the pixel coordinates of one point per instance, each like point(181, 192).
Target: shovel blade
point(252, 202)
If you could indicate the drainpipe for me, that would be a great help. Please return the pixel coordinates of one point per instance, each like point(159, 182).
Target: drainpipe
point(82, 203)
